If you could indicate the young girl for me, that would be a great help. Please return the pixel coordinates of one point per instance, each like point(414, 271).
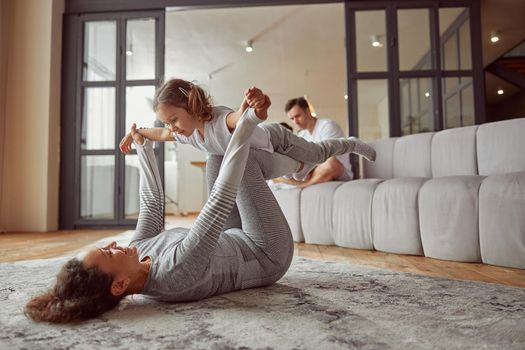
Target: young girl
point(189, 117)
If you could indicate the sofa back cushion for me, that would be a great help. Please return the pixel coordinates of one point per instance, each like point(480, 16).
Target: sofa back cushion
point(382, 168)
point(501, 147)
point(454, 152)
point(412, 156)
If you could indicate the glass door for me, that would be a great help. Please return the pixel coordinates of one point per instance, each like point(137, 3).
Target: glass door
point(122, 63)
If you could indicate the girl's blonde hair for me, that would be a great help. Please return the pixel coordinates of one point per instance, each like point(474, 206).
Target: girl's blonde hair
point(184, 94)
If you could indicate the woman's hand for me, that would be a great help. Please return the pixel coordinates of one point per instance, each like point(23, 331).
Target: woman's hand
point(138, 138)
point(125, 143)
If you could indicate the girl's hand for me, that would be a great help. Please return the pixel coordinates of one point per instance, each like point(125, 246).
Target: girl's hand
point(255, 98)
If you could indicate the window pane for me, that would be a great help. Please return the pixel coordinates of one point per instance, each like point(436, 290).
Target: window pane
point(452, 113)
point(450, 85)
point(458, 111)
point(98, 118)
point(414, 87)
point(97, 186)
point(405, 108)
point(450, 21)
point(417, 112)
point(172, 159)
point(450, 53)
point(370, 41)
point(100, 53)
point(372, 109)
point(465, 47)
point(131, 185)
point(467, 105)
point(140, 49)
point(139, 106)
point(414, 39)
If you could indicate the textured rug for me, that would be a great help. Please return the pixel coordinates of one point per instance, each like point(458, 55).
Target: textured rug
point(317, 305)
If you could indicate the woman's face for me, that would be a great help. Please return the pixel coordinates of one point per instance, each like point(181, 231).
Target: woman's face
point(114, 260)
point(176, 119)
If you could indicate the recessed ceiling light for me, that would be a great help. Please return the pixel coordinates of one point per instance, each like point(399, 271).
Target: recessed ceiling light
point(375, 41)
point(494, 37)
point(500, 92)
point(249, 46)
point(314, 114)
point(129, 51)
point(427, 94)
point(346, 97)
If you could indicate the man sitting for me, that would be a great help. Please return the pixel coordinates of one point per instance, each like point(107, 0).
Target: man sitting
point(317, 129)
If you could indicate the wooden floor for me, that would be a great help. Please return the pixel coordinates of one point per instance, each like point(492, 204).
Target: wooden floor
point(23, 246)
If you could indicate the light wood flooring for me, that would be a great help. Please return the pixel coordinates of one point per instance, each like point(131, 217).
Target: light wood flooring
point(37, 245)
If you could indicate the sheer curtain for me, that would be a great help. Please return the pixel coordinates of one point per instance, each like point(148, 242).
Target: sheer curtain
point(4, 42)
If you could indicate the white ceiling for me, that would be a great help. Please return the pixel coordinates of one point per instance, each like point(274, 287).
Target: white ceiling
point(298, 50)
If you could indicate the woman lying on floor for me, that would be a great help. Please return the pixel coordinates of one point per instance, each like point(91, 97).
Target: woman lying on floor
point(239, 240)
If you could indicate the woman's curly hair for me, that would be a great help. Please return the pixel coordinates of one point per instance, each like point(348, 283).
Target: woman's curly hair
point(79, 294)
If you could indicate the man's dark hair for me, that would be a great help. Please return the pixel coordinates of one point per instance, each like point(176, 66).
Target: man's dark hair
point(299, 101)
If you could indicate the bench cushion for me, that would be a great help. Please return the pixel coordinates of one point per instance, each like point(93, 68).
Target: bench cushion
point(412, 155)
point(502, 220)
point(454, 152)
point(448, 217)
point(395, 218)
point(501, 147)
point(353, 214)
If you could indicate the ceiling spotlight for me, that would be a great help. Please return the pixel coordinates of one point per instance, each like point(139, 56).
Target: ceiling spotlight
point(346, 97)
point(249, 46)
point(129, 51)
point(375, 41)
point(500, 91)
point(427, 94)
point(494, 37)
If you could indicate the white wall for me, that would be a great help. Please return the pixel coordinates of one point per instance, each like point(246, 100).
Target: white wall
point(30, 179)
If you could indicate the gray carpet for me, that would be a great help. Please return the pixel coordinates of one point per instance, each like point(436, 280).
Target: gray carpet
point(317, 305)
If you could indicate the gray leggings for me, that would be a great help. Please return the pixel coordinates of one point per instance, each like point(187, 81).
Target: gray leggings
point(256, 222)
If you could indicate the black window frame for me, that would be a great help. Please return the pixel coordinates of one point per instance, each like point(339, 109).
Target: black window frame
point(73, 88)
